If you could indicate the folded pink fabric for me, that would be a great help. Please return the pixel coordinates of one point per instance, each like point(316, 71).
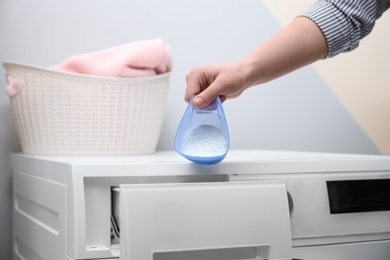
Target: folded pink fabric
point(135, 59)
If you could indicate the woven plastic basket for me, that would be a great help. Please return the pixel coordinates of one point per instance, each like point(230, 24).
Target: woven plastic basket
point(67, 113)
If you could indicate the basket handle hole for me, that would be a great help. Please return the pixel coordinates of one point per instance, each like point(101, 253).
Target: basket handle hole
point(13, 86)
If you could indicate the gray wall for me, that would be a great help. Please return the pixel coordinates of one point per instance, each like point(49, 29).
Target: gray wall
point(296, 112)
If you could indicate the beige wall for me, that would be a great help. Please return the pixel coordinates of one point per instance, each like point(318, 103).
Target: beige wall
point(360, 79)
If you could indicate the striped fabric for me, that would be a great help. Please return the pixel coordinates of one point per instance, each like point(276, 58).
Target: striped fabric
point(345, 22)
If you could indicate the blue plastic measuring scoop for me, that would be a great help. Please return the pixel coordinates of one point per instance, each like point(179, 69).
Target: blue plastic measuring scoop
point(203, 136)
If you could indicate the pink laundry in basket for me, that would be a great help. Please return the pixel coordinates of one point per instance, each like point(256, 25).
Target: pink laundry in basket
point(135, 59)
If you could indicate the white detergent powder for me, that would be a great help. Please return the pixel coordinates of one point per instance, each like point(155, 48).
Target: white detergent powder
point(204, 141)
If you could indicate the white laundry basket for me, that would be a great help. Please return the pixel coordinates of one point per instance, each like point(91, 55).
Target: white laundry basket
point(67, 113)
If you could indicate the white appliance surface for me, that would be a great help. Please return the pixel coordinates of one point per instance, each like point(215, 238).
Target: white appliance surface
point(255, 204)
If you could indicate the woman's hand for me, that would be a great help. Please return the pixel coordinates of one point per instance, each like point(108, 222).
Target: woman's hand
point(206, 83)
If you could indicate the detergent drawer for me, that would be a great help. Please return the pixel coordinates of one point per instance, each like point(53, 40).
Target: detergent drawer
point(230, 220)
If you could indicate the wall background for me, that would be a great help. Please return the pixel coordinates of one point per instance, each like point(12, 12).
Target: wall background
point(336, 105)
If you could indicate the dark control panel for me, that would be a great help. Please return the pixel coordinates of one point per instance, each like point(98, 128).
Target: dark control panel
point(352, 196)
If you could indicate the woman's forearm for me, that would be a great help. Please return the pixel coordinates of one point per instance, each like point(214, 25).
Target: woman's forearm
point(298, 44)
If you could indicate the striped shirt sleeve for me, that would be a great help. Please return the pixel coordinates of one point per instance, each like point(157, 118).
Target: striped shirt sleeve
point(345, 22)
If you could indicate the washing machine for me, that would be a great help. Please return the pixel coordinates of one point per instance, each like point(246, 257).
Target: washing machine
point(255, 204)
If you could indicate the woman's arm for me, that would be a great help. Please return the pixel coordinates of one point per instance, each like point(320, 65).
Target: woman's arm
point(297, 45)
point(325, 29)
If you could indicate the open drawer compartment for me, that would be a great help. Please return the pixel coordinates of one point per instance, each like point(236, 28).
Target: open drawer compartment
point(218, 221)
